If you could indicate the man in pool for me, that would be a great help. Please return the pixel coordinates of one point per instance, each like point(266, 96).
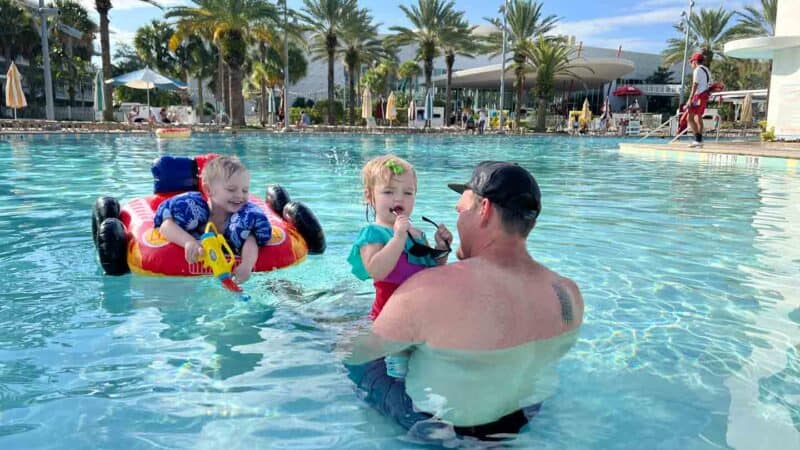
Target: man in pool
point(481, 330)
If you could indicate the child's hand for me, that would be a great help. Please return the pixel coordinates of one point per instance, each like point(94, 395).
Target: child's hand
point(401, 225)
point(443, 237)
point(193, 251)
point(242, 273)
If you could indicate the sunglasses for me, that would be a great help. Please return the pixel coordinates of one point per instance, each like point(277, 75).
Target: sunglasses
point(422, 250)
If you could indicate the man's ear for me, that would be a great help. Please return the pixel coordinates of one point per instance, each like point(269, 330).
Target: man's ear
point(486, 211)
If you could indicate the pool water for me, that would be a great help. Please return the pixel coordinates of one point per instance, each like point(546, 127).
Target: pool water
point(688, 264)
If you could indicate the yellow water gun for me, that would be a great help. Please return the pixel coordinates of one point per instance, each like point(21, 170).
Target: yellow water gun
point(218, 256)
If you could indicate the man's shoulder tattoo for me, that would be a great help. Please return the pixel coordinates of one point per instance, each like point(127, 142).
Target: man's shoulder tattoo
point(565, 299)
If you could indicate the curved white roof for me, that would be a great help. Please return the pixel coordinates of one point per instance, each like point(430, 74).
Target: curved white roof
point(592, 71)
point(760, 47)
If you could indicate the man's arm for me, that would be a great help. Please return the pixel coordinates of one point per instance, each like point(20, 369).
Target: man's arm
point(402, 317)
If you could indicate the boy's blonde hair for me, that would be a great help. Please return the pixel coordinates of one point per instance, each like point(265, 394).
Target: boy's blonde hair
point(222, 168)
point(382, 169)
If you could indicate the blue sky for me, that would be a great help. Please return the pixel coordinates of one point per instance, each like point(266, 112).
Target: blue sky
point(637, 25)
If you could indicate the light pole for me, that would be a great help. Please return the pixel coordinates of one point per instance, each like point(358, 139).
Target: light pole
point(686, 20)
point(48, 81)
point(285, 66)
point(503, 66)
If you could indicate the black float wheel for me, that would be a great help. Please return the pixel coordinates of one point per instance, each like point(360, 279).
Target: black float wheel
point(112, 247)
point(104, 208)
point(277, 197)
point(307, 225)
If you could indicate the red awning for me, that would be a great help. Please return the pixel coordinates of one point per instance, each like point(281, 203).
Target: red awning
point(627, 90)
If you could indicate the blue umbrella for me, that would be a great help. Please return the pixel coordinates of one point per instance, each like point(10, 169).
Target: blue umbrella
point(146, 79)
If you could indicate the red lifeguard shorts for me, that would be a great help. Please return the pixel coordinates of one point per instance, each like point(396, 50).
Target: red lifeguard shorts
point(699, 102)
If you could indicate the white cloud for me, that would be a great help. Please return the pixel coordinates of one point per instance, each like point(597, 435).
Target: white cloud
point(585, 29)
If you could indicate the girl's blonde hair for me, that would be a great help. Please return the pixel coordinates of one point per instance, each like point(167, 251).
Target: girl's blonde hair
point(382, 169)
point(222, 168)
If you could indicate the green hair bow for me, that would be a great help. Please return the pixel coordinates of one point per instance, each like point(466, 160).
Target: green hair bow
point(396, 168)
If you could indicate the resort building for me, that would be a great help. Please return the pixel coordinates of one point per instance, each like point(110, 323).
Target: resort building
point(784, 50)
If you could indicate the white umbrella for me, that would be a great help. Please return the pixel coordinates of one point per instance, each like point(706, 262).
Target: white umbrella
point(746, 115)
point(391, 108)
point(98, 95)
point(15, 98)
point(429, 105)
point(146, 79)
point(412, 111)
point(366, 104)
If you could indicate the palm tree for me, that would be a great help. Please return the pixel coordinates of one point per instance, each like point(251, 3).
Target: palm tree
point(71, 58)
point(430, 19)
point(525, 22)
point(229, 22)
point(755, 22)
point(550, 57)
point(327, 19)
point(18, 36)
point(708, 31)
point(266, 71)
point(151, 42)
point(458, 40)
point(408, 71)
point(359, 46)
point(103, 7)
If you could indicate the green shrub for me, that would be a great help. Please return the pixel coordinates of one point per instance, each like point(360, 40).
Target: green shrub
point(769, 135)
point(319, 113)
point(299, 102)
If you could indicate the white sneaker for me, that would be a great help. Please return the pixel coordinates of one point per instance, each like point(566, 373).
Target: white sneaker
point(696, 144)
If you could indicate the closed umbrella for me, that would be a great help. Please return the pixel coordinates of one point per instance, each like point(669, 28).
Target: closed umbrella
point(146, 79)
point(366, 104)
point(391, 108)
point(586, 113)
point(98, 95)
point(15, 98)
point(412, 111)
point(429, 105)
point(746, 116)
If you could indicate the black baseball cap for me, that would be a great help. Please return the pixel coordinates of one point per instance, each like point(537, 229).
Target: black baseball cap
point(505, 184)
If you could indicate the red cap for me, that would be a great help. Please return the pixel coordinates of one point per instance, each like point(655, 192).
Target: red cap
point(696, 57)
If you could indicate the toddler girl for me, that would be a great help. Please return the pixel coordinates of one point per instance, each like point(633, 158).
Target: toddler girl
point(226, 182)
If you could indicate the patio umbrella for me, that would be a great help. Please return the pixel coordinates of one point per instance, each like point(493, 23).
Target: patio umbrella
point(606, 110)
point(429, 105)
point(146, 79)
point(15, 98)
point(366, 104)
point(412, 111)
point(746, 116)
point(586, 113)
point(627, 91)
point(98, 95)
point(391, 108)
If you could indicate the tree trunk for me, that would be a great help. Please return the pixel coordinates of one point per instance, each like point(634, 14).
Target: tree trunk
point(237, 99)
point(220, 82)
point(226, 80)
point(520, 95)
point(541, 115)
point(201, 112)
point(449, 60)
point(262, 115)
point(351, 100)
point(428, 76)
point(331, 119)
point(105, 49)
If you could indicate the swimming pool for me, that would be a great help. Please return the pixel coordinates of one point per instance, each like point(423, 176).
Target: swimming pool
point(688, 265)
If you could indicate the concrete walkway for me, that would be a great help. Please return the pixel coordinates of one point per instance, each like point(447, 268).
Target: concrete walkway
point(788, 150)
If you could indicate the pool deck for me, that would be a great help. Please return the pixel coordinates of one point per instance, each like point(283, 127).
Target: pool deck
point(788, 150)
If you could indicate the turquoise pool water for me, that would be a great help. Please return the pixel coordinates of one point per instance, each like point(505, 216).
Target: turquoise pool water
point(689, 267)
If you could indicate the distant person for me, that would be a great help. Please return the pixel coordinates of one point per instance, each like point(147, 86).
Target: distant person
point(162, 115)
point(698, 97)
point(480, 331)
point(133, 115)
point(226, 182)
point(481, 121)
point(305, 119)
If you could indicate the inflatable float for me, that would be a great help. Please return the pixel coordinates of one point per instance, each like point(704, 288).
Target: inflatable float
point(126, 240)
point(169, 133)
